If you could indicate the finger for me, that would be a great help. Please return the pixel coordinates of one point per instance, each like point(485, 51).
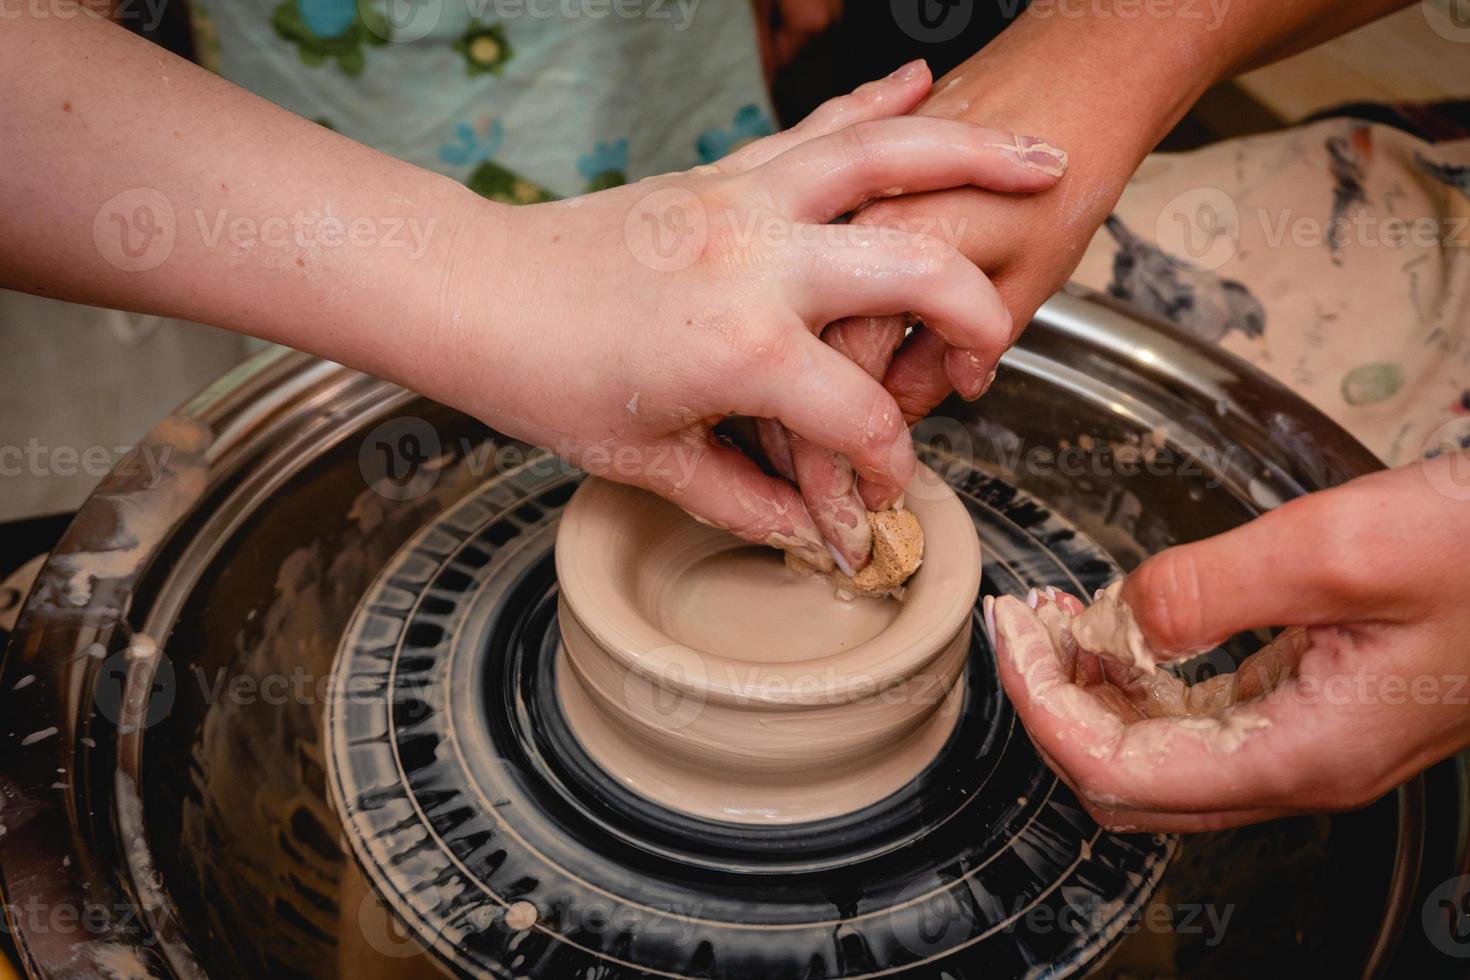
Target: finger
point(776, 446)
point(825, 398)
point(917, 381)
point(851, 271)
point(1249, 757)
point(722, 487)
point(869, 342)
point(828, 176)
point(916, 377)
point(881, 98)
point(828, 488)
point(1303, 563)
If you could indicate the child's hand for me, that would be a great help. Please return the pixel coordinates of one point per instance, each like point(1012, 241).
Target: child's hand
point(616, 328)
point(1330, 717)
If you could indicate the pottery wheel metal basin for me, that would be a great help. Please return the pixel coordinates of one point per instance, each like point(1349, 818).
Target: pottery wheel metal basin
point(289, 709)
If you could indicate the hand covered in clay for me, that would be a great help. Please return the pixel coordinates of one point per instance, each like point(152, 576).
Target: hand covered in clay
point(1027, 244)
point(1368, 688)
point(657, 309)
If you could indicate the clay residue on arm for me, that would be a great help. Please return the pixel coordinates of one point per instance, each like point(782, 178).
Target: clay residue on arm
point(898, 550)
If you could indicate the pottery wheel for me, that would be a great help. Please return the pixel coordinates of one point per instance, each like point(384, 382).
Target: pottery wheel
point(490, 830)
point(320, 548)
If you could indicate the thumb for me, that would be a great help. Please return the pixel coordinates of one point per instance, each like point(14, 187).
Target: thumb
point(1298, 565)
point(722, 487)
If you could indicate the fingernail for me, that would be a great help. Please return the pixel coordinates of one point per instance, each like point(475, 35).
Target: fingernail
point(1033, 598)
point(842, 563)
point(987, 608)
point(909, 71)
point(1042, 156)
point(972, 384)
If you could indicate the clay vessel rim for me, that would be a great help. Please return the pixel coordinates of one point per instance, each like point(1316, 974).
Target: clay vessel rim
point(930, 618)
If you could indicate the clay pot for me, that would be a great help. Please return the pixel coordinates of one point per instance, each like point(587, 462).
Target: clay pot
point(703, 673)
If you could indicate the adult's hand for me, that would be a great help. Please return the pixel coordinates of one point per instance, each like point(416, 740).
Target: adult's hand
point(709, 301)
point(1103, 81)
point(612, 328)
point(1370, 687)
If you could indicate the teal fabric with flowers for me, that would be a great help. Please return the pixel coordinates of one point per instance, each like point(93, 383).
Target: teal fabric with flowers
point(521, 100)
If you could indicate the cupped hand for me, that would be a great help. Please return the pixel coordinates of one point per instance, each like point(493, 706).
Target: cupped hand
point(642, 315)
point(1369, 687)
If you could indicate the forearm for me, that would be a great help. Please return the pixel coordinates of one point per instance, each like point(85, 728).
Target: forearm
point(136, 180)
point(1109, 78)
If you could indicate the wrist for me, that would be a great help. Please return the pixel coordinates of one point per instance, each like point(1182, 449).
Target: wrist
point(1106, 89)
point(466, 305)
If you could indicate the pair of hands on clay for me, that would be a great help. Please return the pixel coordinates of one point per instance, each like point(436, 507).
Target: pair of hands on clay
point(1370, 687)
point(700, 295)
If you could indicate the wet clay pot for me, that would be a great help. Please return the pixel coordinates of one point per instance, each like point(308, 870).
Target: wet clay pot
point(703, 673)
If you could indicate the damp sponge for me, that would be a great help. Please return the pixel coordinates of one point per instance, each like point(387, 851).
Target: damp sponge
point(898, 549)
